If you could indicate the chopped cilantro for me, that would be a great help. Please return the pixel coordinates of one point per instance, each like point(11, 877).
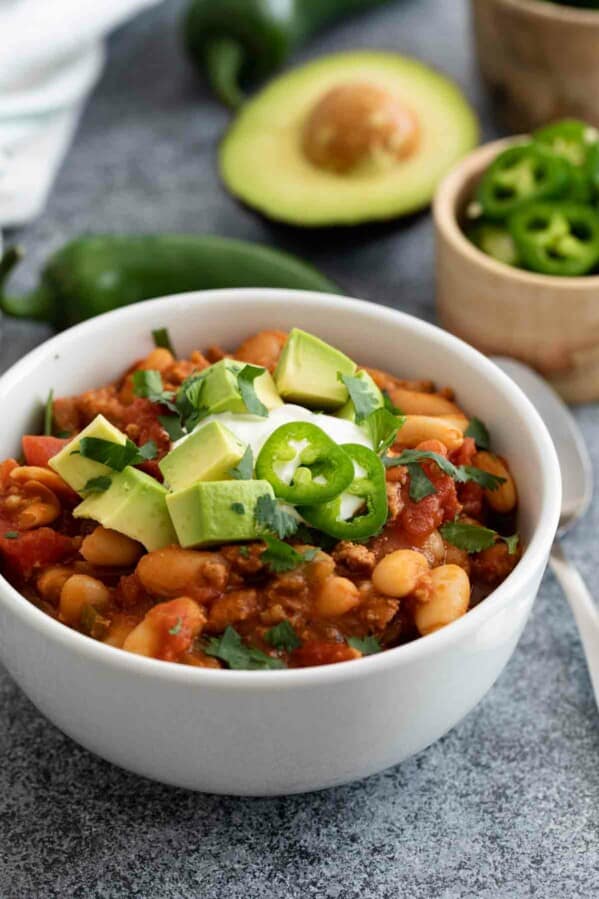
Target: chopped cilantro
point(478, 431)
point(244, 469)
point(244, 551)
point(460, 473)
point(189, 401)
point(360, 393)
point(282, 636)
point(148, 384)
point(172, 426)
point(49, 414)
point(238, 508)
point(162, 339)
point(98, 485)
point(176, 628)
point(473, 538)
point(420, 484)
point(368, 646)
point(115, 455)
point(512, 544)
point(383, 427)
point(11, 535)
point(390, 405)
point(273, 517)
point(280, 556)
point(245, 382)
point(231, 650)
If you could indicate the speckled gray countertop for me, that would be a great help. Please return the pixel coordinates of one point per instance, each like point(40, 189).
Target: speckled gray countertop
point(507, 805)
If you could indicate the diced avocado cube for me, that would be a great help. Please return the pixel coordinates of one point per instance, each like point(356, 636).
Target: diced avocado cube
point(307, 372)
point(74, 468)
point(348, 411)
point(221, 391)
point(216, 511)
point(134, 505)
point(206, 455)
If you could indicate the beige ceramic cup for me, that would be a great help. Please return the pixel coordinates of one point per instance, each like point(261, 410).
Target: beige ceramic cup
point(540, 59)
point(549, 322)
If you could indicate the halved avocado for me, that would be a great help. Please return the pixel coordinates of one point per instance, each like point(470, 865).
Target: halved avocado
point(347, 139)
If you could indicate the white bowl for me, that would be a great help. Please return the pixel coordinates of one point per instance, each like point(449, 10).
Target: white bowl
point(276, 732)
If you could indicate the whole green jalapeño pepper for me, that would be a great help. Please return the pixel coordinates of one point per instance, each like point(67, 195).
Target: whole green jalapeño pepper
point(324, 469)
point(520, 174)
point(368, 484)
point(232, 40)
point(99, 273)
point(557, 238)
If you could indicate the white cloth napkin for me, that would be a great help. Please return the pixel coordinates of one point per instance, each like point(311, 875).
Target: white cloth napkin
point(52, 55)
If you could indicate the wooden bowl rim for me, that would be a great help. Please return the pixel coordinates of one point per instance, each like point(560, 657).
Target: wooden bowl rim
point(553, 11)
point(449, 230)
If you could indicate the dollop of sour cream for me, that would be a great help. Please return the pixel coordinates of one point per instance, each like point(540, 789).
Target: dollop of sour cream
point(254, 431)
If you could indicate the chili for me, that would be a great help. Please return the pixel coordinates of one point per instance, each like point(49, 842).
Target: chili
point(557, 238)
point(520, 174)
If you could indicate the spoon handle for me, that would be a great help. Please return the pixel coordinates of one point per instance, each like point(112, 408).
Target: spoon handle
point(582, 607)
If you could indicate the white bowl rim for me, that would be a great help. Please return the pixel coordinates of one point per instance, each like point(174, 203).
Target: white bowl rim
point(534, 555)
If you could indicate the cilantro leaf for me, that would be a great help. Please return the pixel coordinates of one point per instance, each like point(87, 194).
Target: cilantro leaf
point(115, 455)
point(189, 403)
point(389, 404)
point(484, 478)
point(368, 646)
point(244, 552)
point(148, 384)
point(471, 537)
point(11, 535)
point(459, 473)
point(245, 382)
point(420, 484)
point(98, 485)
point(230, 649)
point(478, 431)
point(162, 339)
point(383, 427)
point(244, 469)
point(512, 544)
point(280, 556)
point(273, 517)
point(49, 415)
point(176, 628)
point(282, 636)
point(360, 393)
point(238, 508)
point(172, 426)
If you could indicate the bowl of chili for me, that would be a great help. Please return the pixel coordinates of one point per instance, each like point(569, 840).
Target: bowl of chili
point(499, 286)
point(275, 729)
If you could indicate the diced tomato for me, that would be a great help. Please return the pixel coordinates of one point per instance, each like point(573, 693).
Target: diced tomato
point(33, 549)
point(471, 496)
point(465, 454)
point(322, 652)
point(144, 415)
point(5, 469)
point(38, 450)
point(419, 519)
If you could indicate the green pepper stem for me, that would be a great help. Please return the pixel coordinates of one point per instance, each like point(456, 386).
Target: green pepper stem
point(224, 58)
point(32, 305)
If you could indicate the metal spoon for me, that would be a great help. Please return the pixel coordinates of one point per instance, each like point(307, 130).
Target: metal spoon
point(577, 484)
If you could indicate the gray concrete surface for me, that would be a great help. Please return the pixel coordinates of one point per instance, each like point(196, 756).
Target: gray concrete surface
point(506, 806)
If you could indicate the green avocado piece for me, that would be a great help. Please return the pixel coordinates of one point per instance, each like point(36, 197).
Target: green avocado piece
point(221, 390)
point(264, 164)
point(216, 511)
point(206, 455)
point(348, 411)
point(134, 505)
point(307, 372)
point(77, 470)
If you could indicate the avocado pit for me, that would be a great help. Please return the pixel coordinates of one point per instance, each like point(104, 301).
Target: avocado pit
point(359, 125)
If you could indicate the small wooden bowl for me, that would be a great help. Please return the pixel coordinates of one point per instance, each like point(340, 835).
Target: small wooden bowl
point(549, 322)
point(540, 60)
